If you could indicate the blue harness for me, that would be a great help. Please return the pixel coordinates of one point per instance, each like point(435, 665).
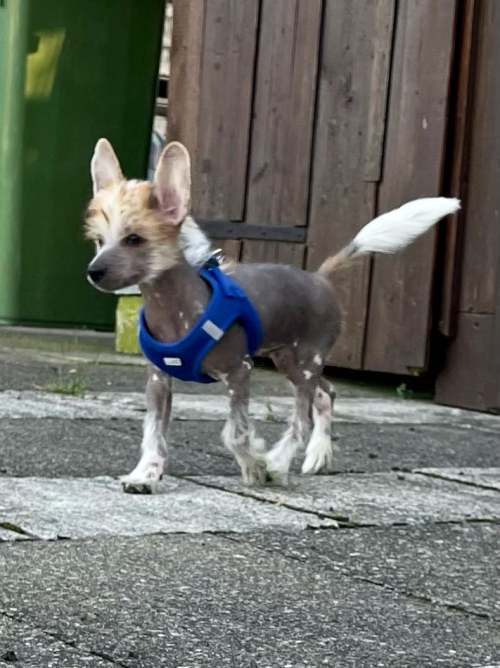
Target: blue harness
point(229, 303)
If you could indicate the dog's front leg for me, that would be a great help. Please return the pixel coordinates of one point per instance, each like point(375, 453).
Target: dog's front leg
point(238, 434)
point(149, 470)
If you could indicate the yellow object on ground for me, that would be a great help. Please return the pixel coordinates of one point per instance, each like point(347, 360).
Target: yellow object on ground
point(127, 311)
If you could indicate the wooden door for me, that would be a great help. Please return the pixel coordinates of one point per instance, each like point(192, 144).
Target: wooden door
point(305, 119)
point(470, 372)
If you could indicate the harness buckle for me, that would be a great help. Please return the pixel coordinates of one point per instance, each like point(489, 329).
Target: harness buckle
point(215, 260)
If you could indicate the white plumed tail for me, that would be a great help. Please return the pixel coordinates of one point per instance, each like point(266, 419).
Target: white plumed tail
point(395, 230)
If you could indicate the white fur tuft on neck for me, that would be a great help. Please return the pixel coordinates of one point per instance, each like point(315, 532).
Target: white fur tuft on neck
point(195, 245)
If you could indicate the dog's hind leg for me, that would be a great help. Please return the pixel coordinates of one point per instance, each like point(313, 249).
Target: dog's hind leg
point(238, 434)
point(321, 448)
point(298, 366)
point(149, 470)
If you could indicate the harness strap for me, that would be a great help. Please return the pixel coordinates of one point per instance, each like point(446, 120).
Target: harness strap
point(229, 303)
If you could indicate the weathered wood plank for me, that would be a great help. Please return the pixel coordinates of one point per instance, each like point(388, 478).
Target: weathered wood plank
point(228, 58)
point(283, 111)
point(399, 317)
point(185, 69)
point(278, 253)
point(467, 379)
point(230, 248)
point(458, 143)
point(350, 123)
point(471, 375)
point(221, 229)
point(481, 259)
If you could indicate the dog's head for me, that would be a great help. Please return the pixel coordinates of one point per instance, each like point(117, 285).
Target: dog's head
point(135, 224)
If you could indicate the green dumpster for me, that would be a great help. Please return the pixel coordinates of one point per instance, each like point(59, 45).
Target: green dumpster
point(71, 71)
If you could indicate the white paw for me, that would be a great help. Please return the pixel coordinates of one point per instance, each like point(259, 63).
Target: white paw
point(254, 472)
point(320, 456)
point(277, 469)
point(257, 446)
point(316, 461)
point(142, 480)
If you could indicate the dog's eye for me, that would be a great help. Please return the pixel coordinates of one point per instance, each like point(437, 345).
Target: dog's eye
point(133, 240)
point(100, 242)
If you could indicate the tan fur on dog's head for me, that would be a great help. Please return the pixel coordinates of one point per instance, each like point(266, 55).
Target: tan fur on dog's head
point(135, 224)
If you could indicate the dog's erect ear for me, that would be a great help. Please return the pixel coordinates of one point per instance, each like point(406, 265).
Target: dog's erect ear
point(105, 168)
point(172, 183)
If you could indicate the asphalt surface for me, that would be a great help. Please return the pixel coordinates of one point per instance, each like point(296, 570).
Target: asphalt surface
point(392, 560)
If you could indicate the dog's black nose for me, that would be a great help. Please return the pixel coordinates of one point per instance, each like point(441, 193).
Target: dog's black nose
point(96, 275)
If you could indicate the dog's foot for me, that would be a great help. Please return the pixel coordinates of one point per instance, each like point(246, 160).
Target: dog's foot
point(317, 460)
point(142, 481)
point(137, 488)
point(254, 472)
point(320, 456)
point(276, 477)
point(276, 473)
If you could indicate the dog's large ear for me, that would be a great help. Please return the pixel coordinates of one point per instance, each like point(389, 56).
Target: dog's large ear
point(105, 168)
point(172, 183)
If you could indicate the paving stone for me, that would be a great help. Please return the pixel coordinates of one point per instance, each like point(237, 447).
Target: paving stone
point(89, 448)
point(374, 447)
point(26, 647)
point(84, 448)
point(210, 602)
point(453, 564)
point(376, 499)
point(488, 478)
point(131, 406)
point(101, 372)
point(82, 508)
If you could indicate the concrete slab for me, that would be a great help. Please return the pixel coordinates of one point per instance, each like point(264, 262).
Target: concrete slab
point(89, 448)
point(127, 406)
point(19, 371)
point(131, 405)
point(455, 565)
point(479, 477)
point(81, 508)
point(379, 499)
point(27, 369)
point(209, 602)
point(399, 411)
point(82, 448)
point(30, 357)
point(375, 447)
point(24, 646)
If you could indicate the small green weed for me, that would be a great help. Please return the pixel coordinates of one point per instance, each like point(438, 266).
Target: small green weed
point(404, 392)
point(74, 385)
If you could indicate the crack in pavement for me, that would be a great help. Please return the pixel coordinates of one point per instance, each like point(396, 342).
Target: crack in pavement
point(302, 513)
point(407, 593)
point(340, 522)
point(16, 529)
point(447, 478)
point(68, 643)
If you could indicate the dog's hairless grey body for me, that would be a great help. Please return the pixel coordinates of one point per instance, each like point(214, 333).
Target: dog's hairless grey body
point(300, 320)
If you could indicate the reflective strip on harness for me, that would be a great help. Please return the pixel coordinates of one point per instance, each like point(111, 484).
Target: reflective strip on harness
point(212, 330)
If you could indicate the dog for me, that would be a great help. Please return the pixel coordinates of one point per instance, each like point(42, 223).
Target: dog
point(144, 235)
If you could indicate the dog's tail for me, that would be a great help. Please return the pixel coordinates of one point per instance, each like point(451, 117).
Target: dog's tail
point(393, 231)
